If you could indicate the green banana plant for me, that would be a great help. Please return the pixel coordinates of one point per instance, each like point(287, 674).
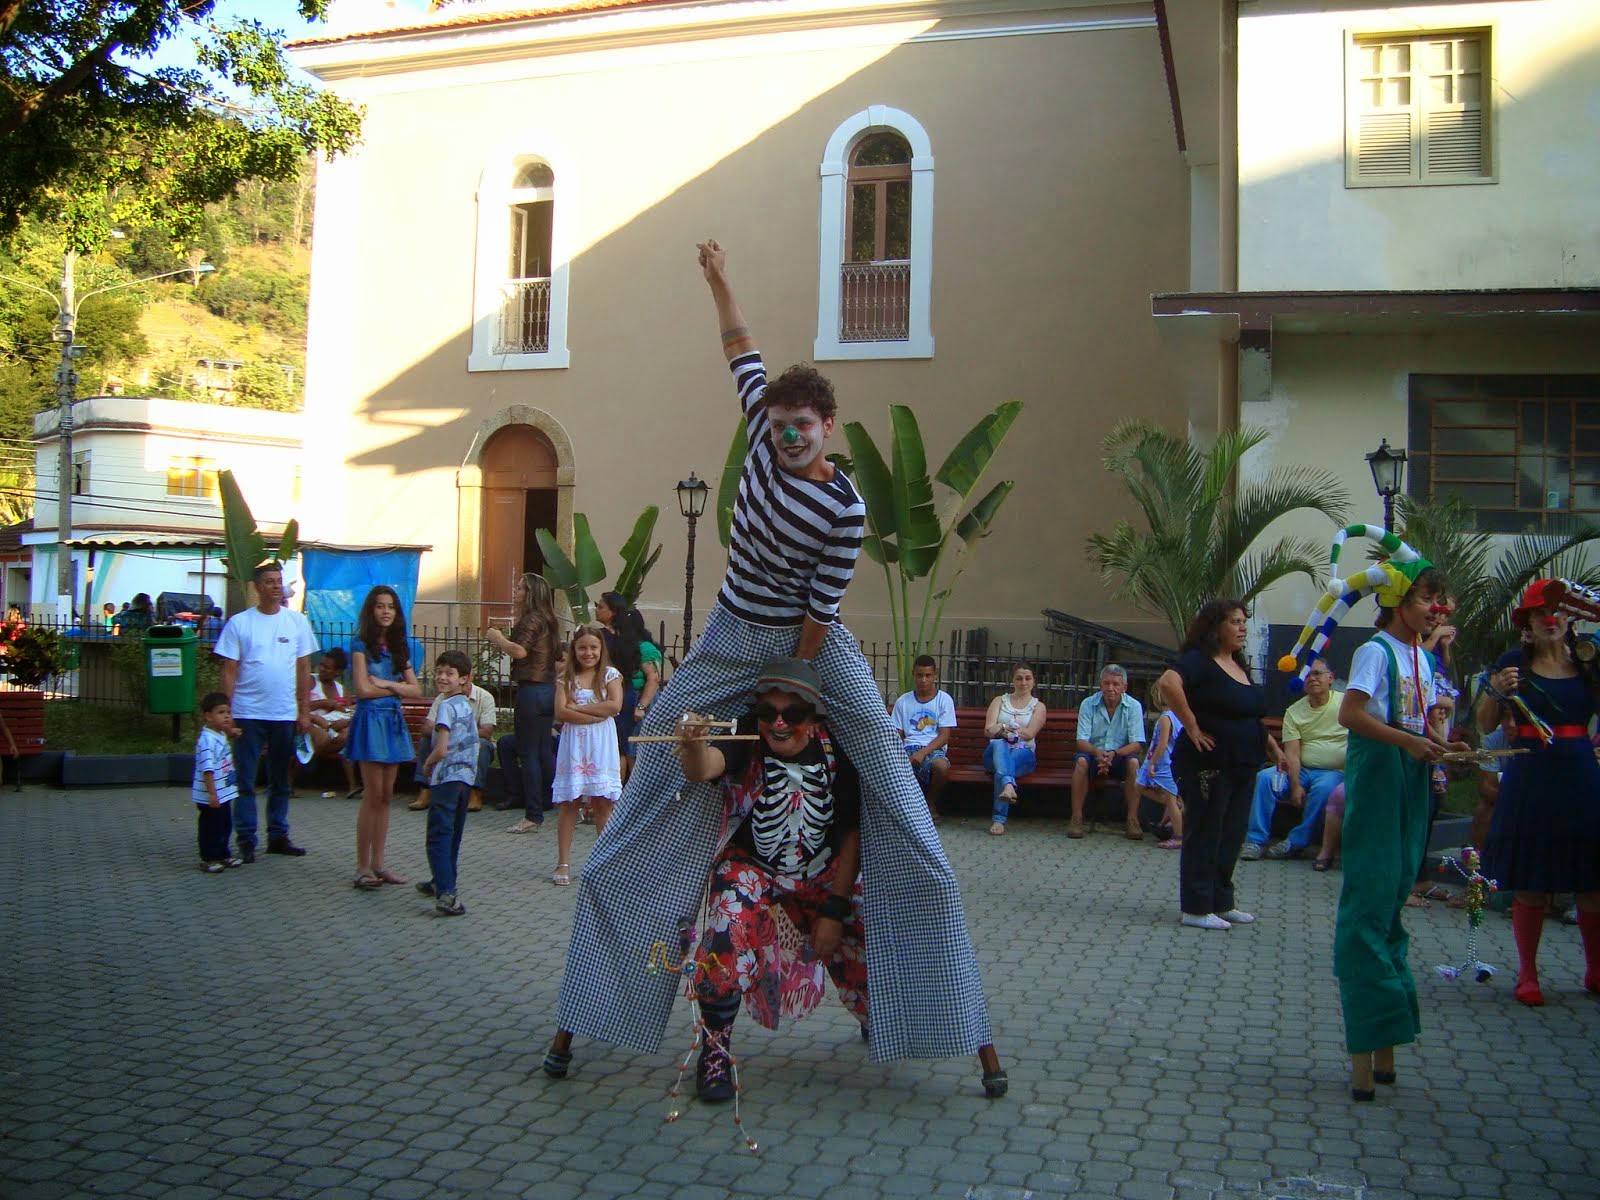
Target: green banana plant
point(637, 556)
point(245, 548)
point(909, 533)
point(574, 576)
point(728, 489)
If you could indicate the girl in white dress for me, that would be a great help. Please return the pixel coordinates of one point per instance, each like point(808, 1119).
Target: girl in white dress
point(588, 763)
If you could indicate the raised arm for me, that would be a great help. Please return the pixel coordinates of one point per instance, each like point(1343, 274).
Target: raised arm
point(736, 339)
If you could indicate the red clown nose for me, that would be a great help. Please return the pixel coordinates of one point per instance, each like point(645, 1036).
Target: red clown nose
point(1551, 621)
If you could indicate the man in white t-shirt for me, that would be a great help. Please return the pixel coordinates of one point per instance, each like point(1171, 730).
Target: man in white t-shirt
point(924, 718)
point(266, 673)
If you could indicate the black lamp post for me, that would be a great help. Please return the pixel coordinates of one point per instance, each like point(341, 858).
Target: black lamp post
point(692, 494)
point(1388, 476)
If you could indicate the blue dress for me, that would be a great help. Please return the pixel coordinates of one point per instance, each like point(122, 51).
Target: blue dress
point(378, 728)
point(1545, 836)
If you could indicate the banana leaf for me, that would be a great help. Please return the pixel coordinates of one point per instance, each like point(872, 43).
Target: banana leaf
point(873, 481)
point(728, 488)
point(917, 531)
point(246, 548)
point(636, 557)
point(562, 574)
point(289, 542)
point(965, 464)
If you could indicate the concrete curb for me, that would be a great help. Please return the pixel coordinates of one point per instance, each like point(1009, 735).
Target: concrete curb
point(125, 770)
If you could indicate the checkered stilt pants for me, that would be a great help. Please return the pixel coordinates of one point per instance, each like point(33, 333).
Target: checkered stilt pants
point(648, 872)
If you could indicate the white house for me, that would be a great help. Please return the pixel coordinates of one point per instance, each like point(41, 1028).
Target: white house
point(146, 516)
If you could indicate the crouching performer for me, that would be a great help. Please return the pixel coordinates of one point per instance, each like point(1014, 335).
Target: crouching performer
point(796, 530)
point(790, 857)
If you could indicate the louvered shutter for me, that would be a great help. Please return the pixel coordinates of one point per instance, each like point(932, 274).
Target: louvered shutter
point(1384, 146)
point(1454, 144)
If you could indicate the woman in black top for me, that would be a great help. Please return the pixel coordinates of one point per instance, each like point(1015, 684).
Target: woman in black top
point(1221, 707)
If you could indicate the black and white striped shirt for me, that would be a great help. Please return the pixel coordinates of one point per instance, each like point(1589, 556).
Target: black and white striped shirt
point(795, 541)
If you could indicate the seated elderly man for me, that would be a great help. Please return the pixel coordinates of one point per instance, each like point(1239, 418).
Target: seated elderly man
point(1312, 765)
point(1110, 742)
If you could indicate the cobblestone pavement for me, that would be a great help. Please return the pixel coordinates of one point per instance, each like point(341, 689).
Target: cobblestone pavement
point(273, 1032)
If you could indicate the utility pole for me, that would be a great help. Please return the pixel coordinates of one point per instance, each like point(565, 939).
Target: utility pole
point(66, 393)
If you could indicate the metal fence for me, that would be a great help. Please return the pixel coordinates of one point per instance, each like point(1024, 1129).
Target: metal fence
point(972, 668)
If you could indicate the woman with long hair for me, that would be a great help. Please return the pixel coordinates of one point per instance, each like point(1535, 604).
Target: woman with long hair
point(1544, 836)
point(533, 644)
point(1012, 726)
point(636, 655)
point(1220, 706)
point(380, 668)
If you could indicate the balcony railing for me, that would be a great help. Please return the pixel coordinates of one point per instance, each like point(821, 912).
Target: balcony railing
point(875, 302)
point(525, 317)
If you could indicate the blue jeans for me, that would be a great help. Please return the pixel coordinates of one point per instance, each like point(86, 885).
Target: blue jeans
point(1318, 785)
point(527, 780)
point(277, 737)
point(447, 821)
point(1006, 762)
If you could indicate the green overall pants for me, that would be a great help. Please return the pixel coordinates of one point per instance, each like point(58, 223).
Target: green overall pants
point(1385, 837)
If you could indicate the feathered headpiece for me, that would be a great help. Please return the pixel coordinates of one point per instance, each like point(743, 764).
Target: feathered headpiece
point(1391, 579)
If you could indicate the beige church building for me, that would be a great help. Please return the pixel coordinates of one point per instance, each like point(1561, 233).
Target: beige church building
point(1343, 221)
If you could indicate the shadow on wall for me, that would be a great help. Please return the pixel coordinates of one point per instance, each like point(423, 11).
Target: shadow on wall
point(1040, 293)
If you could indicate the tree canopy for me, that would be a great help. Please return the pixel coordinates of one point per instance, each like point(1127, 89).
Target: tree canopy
point(93, 139)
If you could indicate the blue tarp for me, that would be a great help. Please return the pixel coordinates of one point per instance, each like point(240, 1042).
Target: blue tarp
point(337, 581)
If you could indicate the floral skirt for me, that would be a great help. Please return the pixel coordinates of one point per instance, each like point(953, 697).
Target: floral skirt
point(748, 949)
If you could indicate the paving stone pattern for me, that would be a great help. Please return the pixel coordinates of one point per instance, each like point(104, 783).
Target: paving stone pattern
point(272, 1032)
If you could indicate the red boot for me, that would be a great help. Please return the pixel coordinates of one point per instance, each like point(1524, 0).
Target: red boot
point(1589, 928)
point(1527, 923)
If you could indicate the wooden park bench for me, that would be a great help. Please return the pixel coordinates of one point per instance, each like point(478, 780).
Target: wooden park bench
point(1056, 749)
point(24, 716)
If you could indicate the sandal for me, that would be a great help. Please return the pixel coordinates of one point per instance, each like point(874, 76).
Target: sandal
point(368, 882)
point(1322, 864)
point(1438, 892)
point(997, 830)
point(1170, 844)
point(387, 876)
point(353, 794)
point(524, 826)
point(562, 877)
point(555, 1065)
point(1416, 901)
point(995, 1085)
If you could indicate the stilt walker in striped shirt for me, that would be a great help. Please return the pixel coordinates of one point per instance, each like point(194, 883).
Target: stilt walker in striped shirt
point(797, 529)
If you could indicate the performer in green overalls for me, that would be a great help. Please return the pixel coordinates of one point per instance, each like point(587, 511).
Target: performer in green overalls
point(1386, 802)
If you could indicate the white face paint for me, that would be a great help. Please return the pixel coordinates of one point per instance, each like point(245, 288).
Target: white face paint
point(797, 437)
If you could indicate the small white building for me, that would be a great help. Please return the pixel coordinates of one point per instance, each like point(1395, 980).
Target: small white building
point(146, 514)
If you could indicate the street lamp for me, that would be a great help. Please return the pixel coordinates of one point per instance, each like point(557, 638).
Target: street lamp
point(1388, 476)
point(692, 494)
point(68, 305)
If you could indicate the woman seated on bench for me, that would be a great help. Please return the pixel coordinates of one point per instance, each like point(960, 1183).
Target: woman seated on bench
point(1011, 725)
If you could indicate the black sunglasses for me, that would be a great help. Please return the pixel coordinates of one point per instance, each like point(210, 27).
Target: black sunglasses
point(791, 714)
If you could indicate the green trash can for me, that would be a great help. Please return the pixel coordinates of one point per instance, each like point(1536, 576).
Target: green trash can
point(169, 652)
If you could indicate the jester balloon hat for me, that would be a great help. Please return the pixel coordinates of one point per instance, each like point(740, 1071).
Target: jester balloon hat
point(1391, 579)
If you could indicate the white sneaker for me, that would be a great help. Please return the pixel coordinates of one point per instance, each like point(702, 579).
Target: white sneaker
point(1251, 851)
point(1209, 921)
point(1236, 917)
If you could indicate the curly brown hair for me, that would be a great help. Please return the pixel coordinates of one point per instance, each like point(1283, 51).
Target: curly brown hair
point(803, 386)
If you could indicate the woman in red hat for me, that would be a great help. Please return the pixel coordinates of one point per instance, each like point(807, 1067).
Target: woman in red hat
point(1546, 831)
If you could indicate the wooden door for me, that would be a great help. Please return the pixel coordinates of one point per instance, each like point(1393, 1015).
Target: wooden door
point(519, 486)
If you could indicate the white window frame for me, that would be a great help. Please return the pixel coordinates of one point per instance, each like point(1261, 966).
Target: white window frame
point(831, 231)
point(495, 197)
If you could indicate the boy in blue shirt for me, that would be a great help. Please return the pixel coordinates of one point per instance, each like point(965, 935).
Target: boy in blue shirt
point(451, 769)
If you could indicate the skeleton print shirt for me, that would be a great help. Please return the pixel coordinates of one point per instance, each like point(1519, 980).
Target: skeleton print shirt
point(796, 816)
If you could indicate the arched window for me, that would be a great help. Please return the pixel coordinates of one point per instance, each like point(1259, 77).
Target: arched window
point(525, 316)
point(519, 317)
point(875, 245)
point(875, 277)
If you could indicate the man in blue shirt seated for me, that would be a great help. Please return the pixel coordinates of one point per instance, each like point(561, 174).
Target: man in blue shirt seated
point(1110, 741)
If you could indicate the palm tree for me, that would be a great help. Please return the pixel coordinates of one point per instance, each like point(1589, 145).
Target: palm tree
point(1487, 581)
point(1201, 526)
